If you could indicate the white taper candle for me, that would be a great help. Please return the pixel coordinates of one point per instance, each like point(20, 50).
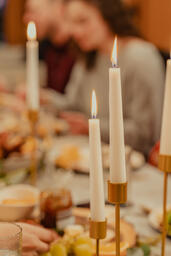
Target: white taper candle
point(97, 203)
point(165, 142)
point(32, 66)
point(117, 147)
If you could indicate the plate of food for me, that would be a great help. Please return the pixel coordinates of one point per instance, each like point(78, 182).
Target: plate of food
point(50, 125)
point(156, 220)
point(17, 202)
point(15, 150)
point(128, 233)
point(72, 152)
point(76, 241)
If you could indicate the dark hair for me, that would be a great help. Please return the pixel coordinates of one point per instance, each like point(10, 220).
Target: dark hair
point(116, 15)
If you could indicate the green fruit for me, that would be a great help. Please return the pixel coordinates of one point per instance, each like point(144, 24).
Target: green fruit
point(83, 240)
point(169, 217)
point(58, 250)
point(83, 250)
point(146, 249)
point(46, 254)
point(169, 230)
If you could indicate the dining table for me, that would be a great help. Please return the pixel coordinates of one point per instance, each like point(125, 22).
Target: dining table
point(145, 192)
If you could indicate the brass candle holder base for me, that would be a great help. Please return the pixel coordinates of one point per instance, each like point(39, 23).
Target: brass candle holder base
point(164, 166)
point(98, 231)
point(164, 163)
point(33, 117)
point(117, 194)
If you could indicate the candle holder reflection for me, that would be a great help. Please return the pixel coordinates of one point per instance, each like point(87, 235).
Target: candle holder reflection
point(117, 194)
point(33, 119)
point(164, 166)
point(98, 232)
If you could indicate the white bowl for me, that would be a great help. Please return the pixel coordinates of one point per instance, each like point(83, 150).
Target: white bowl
point(17, 212)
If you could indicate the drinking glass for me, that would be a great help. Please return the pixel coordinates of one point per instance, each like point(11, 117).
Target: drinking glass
point(10, 239)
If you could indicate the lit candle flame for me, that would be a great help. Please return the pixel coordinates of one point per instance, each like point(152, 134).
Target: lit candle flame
point(94, 105)
point(114, 53)
point(31, 31)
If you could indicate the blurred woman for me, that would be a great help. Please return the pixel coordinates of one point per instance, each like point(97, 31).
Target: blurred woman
point(93, 25)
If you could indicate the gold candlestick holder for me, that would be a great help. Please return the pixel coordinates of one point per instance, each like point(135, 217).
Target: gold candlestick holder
point(33, 119)
point(98, 231)
point(117, 194)
point(165, 166)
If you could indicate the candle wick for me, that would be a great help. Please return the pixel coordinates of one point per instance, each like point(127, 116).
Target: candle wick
point(93, 116)
point(114, 65)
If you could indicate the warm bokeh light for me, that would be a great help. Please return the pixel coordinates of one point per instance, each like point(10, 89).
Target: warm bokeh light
point(31, 31)
point(114, 53)
point(94, 105)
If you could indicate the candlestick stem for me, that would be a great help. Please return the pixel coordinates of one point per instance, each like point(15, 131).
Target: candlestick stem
point(33, 165)
point(164, 213)
point(33, 118)
point(97, 247)
point(117, 228)
point(98, 231)
point(33, 170)
point(117, 194)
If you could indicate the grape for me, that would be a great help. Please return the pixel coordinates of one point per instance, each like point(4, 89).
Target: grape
point(46, 254)
point(83, 240)
point(169, 217)
point(58, 250)
point(83, 250)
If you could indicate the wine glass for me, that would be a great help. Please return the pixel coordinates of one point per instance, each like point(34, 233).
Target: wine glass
point(10, 239)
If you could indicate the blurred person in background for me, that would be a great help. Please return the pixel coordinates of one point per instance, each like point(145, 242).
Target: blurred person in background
point(54, 48)
point(2, 6)
point(93, 24)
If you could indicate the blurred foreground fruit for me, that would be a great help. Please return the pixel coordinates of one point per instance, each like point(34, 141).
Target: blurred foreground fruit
point(83, 250)
point(58, 250)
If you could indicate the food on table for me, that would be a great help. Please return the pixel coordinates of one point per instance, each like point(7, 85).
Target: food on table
point(169, 223)
point(156, 220)
point(136, 160)
point(128, 233)
point(109, 249)
point(49, 124)
point(74, 230)
point(60, 126)
point(68, 158)
point(13, 177)
point(83, 239)
point(83, 250)
point(28, 146)
point(69, 245)
point(58, 250)
point(46, 254)
point(18, 202)
point(56, 208)
point(82, 245)
point(9, 143)
point(72, 152)
point(41, 131)
point(14, 201)
point(12, 144)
